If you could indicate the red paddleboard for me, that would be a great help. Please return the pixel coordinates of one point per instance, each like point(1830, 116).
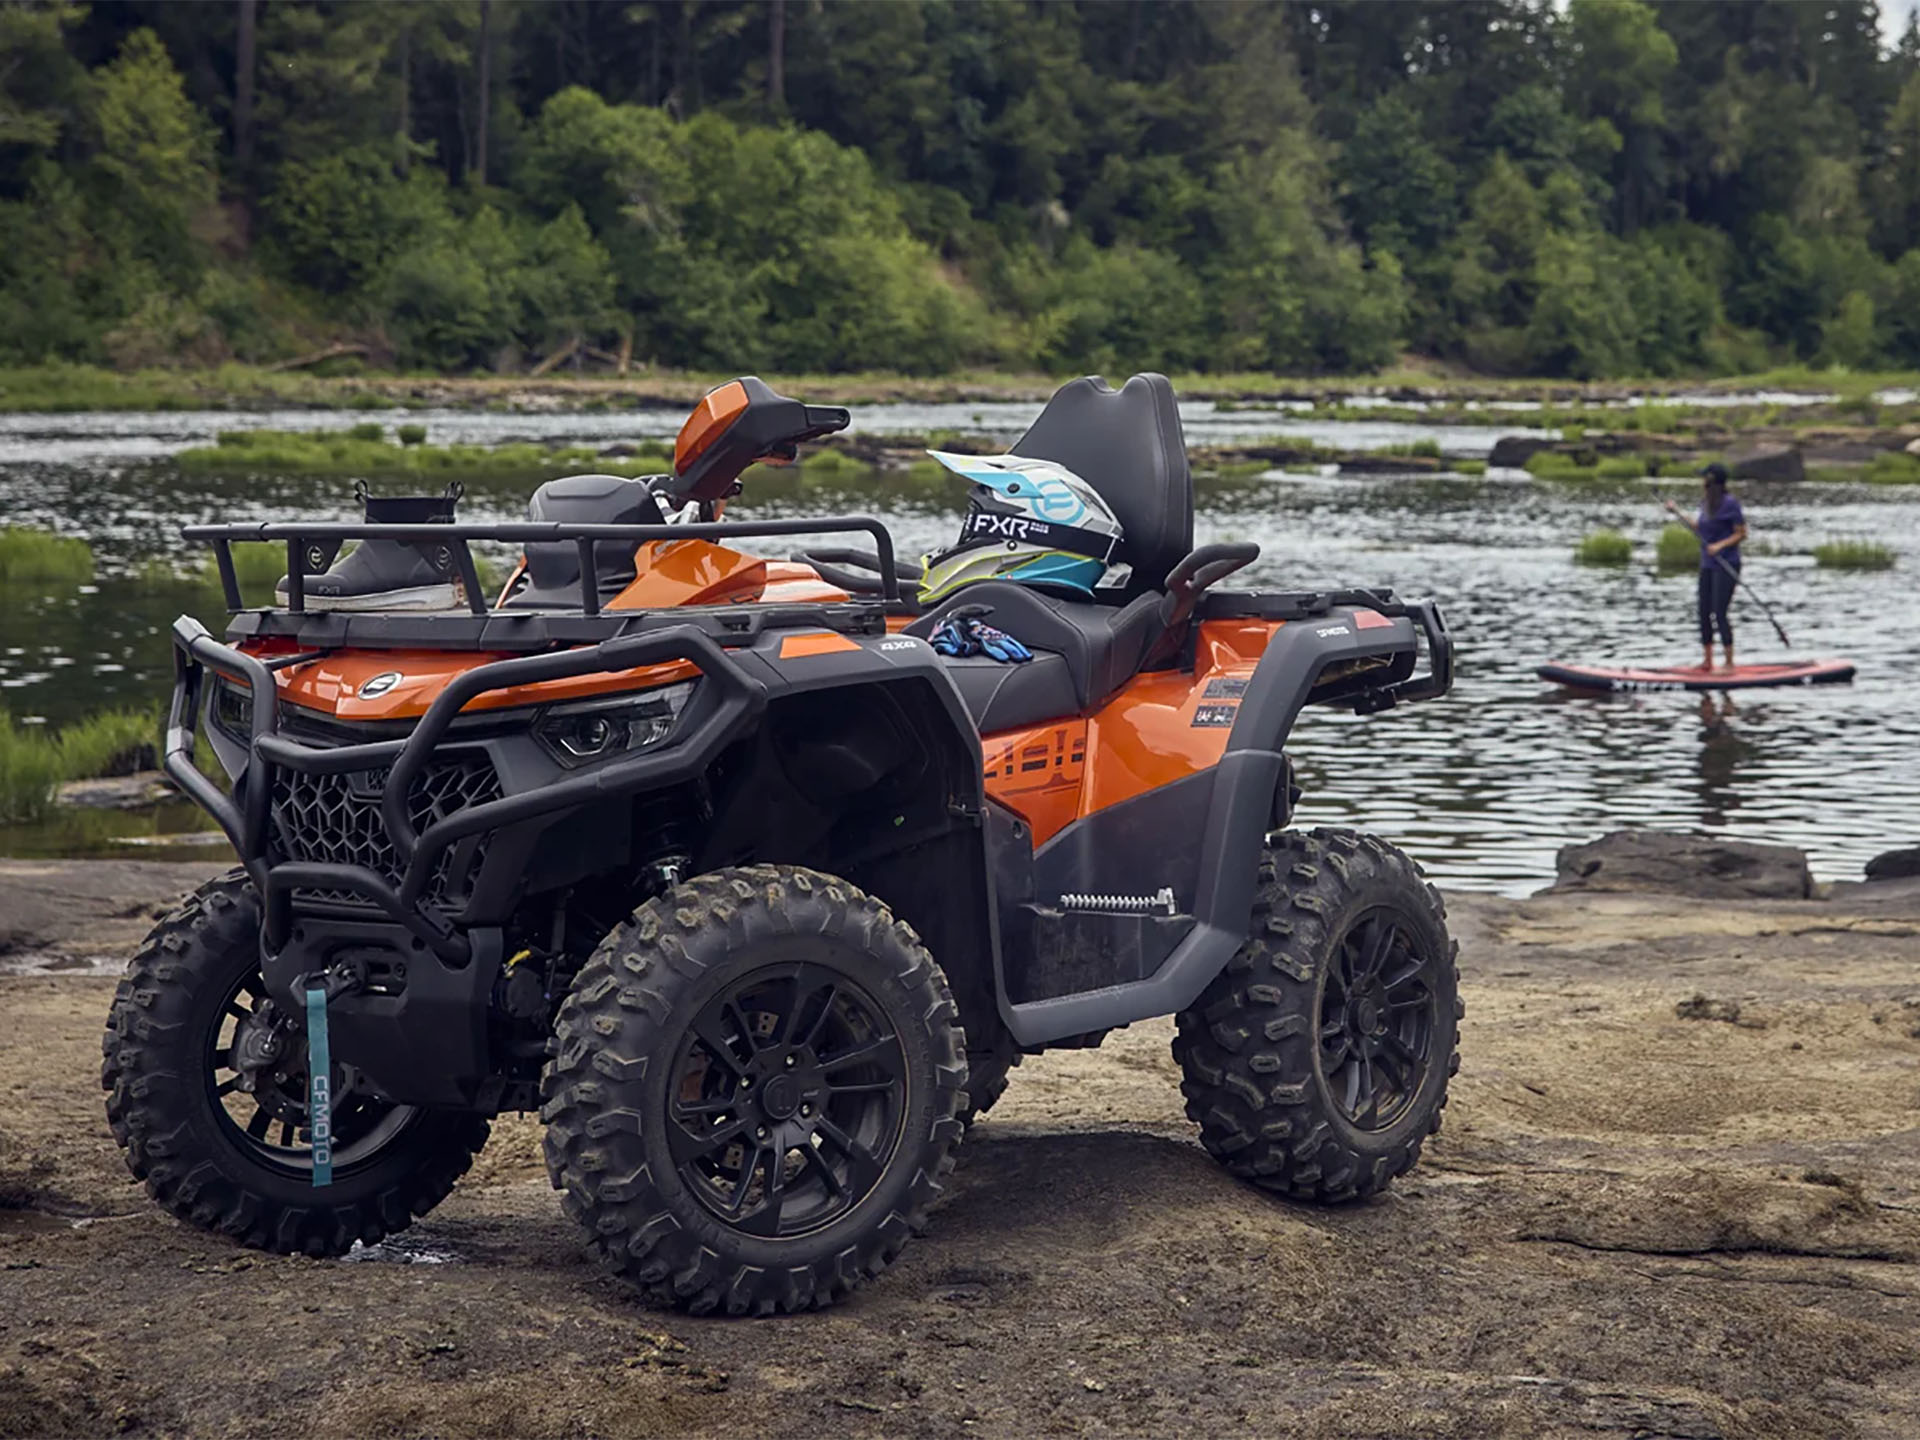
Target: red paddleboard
point(1692, 677)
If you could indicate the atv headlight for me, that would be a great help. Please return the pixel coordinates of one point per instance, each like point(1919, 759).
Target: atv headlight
point(232, 710)
point(600, 729)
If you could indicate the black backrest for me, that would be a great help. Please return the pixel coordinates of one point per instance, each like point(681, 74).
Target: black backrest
point(554, 566)
point(1128, 445)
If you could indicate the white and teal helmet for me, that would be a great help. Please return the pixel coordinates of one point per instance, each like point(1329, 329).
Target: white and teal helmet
point(1030, 521)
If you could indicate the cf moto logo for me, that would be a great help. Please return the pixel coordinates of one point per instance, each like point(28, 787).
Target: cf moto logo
point(380, 684)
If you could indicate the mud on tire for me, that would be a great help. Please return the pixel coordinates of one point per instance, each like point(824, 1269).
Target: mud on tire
point(160, 1055)
point(755, 1091)
point(1344, 997)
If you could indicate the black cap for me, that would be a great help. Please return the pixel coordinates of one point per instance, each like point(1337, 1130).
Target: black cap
point(1716, 473)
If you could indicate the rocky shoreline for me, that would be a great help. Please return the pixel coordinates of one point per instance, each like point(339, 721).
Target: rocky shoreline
point(1677, 1194)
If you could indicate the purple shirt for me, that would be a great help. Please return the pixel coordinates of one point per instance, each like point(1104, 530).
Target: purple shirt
point(1718, 526)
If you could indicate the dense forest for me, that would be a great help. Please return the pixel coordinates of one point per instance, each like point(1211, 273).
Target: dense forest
point(1602, 187)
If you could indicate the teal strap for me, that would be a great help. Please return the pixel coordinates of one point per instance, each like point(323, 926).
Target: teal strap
point(319, 1087)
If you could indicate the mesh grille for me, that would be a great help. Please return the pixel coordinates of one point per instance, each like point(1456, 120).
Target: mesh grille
point(336, 819)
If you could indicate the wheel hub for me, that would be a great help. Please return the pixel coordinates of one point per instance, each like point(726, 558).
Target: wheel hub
point(780, 1097)
point(259, 1046)
point(1366, 1016)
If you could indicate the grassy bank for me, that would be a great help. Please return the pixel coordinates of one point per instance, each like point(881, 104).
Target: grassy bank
point(34, 763)
point(346, 386)
point(368, 451)
point(28, 555)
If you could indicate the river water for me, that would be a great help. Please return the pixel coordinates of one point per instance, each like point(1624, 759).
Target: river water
point(1482, 786)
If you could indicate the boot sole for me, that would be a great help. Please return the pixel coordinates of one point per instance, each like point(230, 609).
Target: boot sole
point(420, 597)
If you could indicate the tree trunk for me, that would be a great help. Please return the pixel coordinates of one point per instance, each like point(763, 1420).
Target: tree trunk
point(243, 93)
point(403, 162)
point(486, 91)
point(681, 97)
point(777, 57)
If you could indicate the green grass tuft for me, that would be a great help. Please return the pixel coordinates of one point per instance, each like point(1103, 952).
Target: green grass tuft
point(1894, 467)
point(28, 556)
point(411, 434)
point(29, 771)
point(1604, 547)
point(1622, 467)
point(1852, 555)
point(833, 465)
point(257, 564)
point(1470, 467)
point(1555, 465)
point(115, 742)
point(1677, 549)
point(367, 430)
point(33, 763)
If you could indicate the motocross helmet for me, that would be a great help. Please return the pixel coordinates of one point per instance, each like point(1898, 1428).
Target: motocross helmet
point(1029, 521)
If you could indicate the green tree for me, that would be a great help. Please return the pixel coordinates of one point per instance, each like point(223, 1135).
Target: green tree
point(1619, 59)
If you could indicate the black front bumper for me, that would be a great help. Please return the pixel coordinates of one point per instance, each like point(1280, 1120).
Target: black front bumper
point(723, 707)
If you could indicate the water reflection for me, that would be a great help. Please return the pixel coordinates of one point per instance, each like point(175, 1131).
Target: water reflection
point(1483, 786)
point(1723, 753)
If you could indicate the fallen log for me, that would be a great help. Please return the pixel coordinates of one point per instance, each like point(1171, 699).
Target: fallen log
point(565, 352)
point(332, 352)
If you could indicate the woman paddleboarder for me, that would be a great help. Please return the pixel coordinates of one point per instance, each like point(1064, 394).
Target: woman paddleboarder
point(1721, 526)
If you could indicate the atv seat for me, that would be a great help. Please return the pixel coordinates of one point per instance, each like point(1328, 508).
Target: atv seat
point(1129, 446)
point(1082, 653)
point(553, 567)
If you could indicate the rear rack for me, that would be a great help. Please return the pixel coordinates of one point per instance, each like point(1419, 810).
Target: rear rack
point(313, 544)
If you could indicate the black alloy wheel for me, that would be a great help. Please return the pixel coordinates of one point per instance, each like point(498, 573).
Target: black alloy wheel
point(1377, 1016)
point(786, 1100)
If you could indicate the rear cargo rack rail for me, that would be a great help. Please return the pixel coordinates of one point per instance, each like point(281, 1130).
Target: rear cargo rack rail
point(313, 544)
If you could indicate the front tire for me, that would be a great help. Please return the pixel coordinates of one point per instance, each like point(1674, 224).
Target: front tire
point(1316, 1064)
point(234, 1161)
point(755, 1092)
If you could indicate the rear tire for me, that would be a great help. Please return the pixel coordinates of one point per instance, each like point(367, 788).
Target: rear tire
point(1317, 1062)
point(164, 1052)
point(987, 1074)
point(755, 1092)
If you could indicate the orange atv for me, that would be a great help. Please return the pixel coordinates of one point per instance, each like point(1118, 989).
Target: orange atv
point(751, 891)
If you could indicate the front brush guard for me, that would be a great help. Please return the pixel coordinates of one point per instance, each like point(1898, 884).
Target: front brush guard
point(721, 710)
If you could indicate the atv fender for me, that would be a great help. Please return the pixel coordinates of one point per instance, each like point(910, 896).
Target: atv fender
point(1303, 656)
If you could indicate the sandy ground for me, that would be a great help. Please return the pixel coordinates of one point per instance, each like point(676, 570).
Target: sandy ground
point(1678, 1194)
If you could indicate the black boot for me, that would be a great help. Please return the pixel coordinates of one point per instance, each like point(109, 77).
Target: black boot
point(390, 574)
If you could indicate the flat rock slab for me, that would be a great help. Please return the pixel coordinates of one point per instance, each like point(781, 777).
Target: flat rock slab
point(1510, 452)
point(1767, 462)
point(117, 792)
point(87, 914)
point(1666, 862)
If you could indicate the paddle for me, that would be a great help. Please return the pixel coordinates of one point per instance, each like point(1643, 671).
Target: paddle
point(1721, 560)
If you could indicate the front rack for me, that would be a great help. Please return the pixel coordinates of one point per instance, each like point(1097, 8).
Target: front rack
point(313, 544)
